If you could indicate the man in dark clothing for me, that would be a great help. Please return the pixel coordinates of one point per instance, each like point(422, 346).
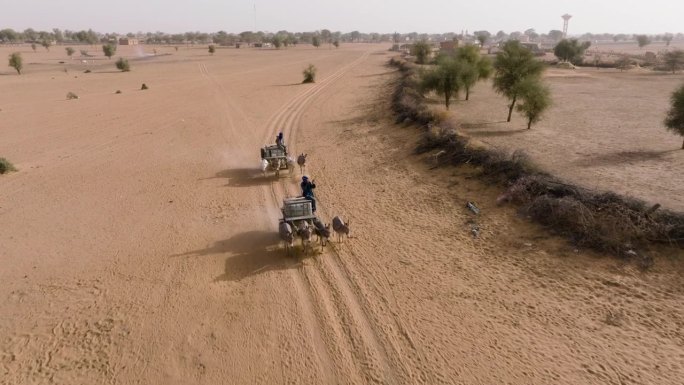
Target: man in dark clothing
point(280, 143)
point(307, 191)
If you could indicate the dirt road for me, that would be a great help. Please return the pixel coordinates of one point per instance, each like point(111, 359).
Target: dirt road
point(139, 242)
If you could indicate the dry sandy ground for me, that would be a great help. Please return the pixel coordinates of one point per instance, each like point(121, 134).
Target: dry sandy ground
point(604, 130)
point(139, 243)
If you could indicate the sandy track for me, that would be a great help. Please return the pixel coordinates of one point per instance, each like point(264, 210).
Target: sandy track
point(140, 244)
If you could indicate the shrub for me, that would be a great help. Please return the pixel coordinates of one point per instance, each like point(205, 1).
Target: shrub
point(212, 49)
point(109, 50)
point(123, 65)
point(309, 74)
point(87, 71)
point(6, 166)
point(118, 92)
point(71, 95)
point(144, 87)
point(70, 51)
point(16, 62)
point(675, 116)
point(674, 60)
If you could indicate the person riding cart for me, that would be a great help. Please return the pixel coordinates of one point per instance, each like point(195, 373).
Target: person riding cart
point(307, 191)
point(280, 143)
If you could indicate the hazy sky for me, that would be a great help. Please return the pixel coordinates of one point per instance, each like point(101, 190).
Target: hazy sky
point(628, 16)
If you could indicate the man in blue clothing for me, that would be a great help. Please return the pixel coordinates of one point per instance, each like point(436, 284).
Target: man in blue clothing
point(307, 191)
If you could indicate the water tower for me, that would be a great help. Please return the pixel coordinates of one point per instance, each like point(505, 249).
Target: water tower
point(566, 19)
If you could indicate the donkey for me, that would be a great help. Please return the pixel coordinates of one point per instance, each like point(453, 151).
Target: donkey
point(304, 232)
point(340, 227)
point(264, 166)
point(301, 161)
point(322, 231)
point(286, 235)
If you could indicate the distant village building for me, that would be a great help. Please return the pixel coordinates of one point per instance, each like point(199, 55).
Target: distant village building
point(534, 47)
point(128, 41)
point(448, 46)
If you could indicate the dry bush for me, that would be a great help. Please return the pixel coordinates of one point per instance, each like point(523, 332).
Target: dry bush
point(71, 96)
point(309, 74)
point(6, 166)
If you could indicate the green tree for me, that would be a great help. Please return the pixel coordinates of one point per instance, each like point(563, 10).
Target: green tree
point(513, 64)
point(674, 60)
point(70, 51)
point(555, 35)
point(16, 62)
point(535, 98)
point(326, 35)
point(277, 41)
point(8, 35)
point(482, 37)
point(34, 46)
point(46, 44)
point(473, 67)
point(642, 40)
point(445, 79)
point(675, 116)
point(109, 50)
point(59, 35)
point(212, 49)
point(421, 50)
point(30, 34)
point(316, 41)
point(122, 64)
point(571, 50)
point(309, 74)
point(336, 43)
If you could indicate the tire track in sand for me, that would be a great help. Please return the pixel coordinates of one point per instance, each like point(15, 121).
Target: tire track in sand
point(325, 286)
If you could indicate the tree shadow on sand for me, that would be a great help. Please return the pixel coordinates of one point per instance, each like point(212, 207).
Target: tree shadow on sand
point(494, 133)
point(242, 177)
point(288, 85)
point(621, 157)
point(251, 253)
point(468, 126)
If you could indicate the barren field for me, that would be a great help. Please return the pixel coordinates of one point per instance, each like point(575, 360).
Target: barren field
point(605, 131)
point(139, 240)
